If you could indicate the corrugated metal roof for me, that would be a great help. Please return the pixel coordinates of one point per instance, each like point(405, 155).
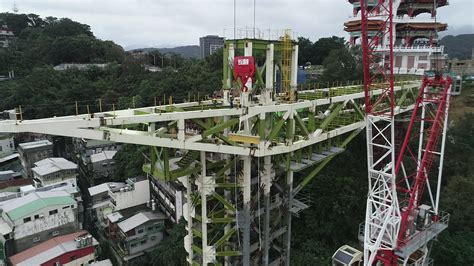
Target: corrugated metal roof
point(102, 156)
point(104, 187)
point(114, 217)
point(48, 250)
point(35, 144)
point(35, 201)
point(5, 229)
point(139, 219)
point(51, 165)
point(9, 157)
point(15, 183)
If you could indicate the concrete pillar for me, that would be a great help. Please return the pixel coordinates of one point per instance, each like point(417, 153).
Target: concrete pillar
point(289, 182)
point(294, 69)
point(244, 96)
point(246, 186)
point(267, 183)
point(188, 240)
point(269, 72)
point(204, 207)
point(181, 129)
point(230, 60)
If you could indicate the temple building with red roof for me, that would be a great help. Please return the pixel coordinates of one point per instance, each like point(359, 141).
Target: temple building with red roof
point(416, 34)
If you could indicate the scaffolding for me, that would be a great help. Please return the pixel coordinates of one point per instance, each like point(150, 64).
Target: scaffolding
point(237, 163)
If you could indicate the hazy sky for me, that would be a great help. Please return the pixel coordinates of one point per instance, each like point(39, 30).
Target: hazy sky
point(165, 23)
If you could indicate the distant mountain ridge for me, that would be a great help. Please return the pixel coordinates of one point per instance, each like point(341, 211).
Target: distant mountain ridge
point(459, 46)
point(188, 51)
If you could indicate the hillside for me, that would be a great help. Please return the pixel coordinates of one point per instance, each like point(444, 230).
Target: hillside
point(188, 51)
point(459, 46)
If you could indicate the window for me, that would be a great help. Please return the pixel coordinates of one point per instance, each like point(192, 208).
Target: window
point(27, 219)
point(149, 228)
point(65, 207)
point(153, 238)
point(143, 242)
point(37, 216)
point(1, 148)
point(133, 245)
point(53, 212)
point(55, 233)
point(36, 239)
point(159, 226)
point(140, 231)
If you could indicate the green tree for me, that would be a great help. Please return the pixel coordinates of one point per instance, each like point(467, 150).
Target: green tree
point(305, 50)
point(130, 160)
point(15, 22)
point(170, 251)
point(323, 47)
point(341, 65)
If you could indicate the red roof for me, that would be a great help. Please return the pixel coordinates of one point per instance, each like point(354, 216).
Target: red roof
point(16, 183)
point(40, 248)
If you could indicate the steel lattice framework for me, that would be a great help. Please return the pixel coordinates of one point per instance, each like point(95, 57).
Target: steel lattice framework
point(391, 230)
point(433, 102)
point(382, 220)
point(240, 160)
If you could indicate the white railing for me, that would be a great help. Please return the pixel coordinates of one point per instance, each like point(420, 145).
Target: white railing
point(418, 48)
point(396, 19)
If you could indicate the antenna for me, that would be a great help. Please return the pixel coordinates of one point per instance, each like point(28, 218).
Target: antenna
point(254, 11)
point(15, 7)
point(235, 18)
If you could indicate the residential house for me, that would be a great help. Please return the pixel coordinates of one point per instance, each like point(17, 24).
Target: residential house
point(102, 166)
point(114, 196)
point(170, 197)
point(32, 152)
point(78, 248)
point(133, 236)
point(53, 170)
point(36, 216)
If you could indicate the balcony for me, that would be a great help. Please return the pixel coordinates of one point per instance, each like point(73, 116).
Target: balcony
point(396, 19)
point(412, 49)
point(419, 239)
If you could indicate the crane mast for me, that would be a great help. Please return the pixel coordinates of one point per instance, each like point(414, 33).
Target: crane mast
point(397, 224)
point(383, 216)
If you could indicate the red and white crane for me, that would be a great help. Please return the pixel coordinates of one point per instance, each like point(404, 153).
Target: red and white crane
point(397, 223)
point(402, 214)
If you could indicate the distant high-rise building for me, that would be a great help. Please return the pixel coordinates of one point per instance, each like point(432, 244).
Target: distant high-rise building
point(210, 44)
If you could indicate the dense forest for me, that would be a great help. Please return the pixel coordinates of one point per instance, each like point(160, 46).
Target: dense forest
point(338, 194)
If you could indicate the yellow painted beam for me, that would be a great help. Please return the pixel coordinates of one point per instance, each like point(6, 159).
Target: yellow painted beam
point(244, 138)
